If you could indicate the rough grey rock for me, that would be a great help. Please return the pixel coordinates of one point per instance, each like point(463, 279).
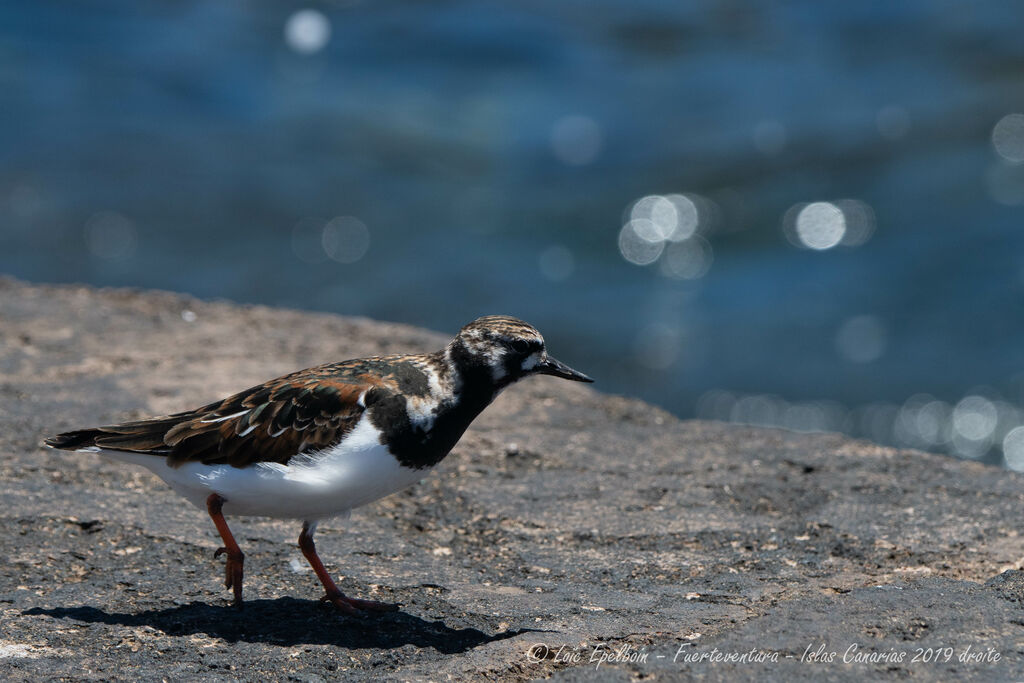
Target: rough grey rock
point(567, 526)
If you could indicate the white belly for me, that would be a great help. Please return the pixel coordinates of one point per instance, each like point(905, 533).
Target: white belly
point(311, 487)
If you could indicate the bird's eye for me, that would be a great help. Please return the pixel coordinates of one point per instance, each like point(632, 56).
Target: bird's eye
point(520, 345)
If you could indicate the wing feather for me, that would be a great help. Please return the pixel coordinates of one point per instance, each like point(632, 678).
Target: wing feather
point(302, 412)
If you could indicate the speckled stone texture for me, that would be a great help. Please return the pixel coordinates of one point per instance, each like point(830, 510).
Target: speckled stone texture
point(567, 526)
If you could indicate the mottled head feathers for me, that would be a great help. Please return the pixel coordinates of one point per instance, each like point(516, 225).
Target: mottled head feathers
point(496, 332)
point(509, 349)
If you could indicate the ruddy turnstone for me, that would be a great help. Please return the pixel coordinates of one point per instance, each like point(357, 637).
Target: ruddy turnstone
point(319, 442)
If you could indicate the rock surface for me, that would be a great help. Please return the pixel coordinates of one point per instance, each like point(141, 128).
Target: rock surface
point(567, 526)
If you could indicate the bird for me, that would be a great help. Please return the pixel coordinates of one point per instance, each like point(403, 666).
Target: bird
point(317, 443)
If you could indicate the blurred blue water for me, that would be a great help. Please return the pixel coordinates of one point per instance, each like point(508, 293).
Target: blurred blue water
point(190, 146)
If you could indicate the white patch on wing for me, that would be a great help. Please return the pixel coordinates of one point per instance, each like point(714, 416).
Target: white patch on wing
point(315, 485)
point(226, 417)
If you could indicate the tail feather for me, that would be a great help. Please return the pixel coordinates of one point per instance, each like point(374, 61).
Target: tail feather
point(71, 441)
point(143, 436)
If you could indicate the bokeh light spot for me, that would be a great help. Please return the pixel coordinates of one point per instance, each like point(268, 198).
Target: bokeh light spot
point(933, 422)
point(656, 217)
point(974, 418)
point(687, 217)
point(307, 31)
point(1013, 449)
point(820, 225)
point(345, 239)
point(1008, 137)
point(647, 230)
point(638, 249)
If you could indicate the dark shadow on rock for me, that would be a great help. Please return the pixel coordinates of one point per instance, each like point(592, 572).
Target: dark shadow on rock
point(287, 621)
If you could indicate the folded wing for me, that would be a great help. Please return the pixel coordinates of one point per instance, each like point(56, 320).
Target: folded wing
point(273, 422)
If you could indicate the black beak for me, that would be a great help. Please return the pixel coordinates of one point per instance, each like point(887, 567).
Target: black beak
point(550, 366)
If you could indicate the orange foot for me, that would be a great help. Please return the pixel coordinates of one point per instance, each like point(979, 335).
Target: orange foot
point(233, 571)
point(356, 606)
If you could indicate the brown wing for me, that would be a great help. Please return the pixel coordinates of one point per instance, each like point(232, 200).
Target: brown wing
point(273, 422)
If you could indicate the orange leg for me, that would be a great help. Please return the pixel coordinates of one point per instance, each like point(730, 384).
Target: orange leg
point(236, 558)
point(335, 596)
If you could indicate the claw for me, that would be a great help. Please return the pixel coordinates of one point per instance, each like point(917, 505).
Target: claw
point(352, 606)
point(234, 572)
point(355, 606)
point(341, 603)
point(233, 567)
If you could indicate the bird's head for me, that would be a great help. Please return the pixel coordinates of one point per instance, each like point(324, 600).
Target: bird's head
point(509, 349)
